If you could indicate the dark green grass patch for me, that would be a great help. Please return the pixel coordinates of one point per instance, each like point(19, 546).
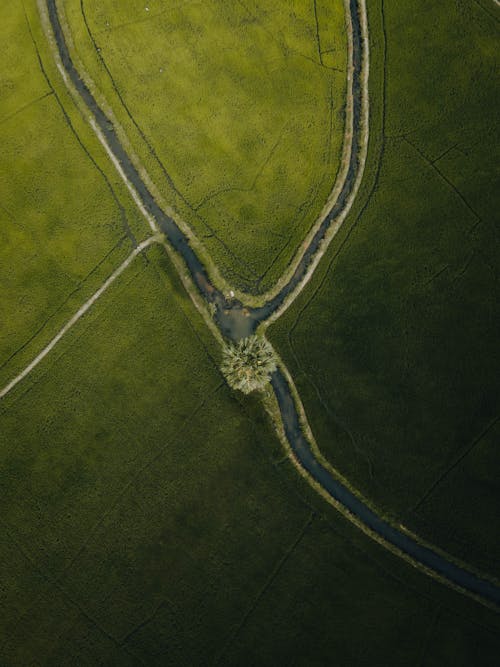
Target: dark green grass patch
point(394, 345)
point(332, 604)
point(145, 519)
point(133, 481)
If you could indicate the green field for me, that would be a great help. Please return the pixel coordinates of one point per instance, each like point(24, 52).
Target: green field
point(145, 520)
point(394, 345)
point(149, 515)
point(243, 114)
point(63, 224)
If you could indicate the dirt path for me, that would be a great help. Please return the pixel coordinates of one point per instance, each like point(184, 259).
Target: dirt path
point(79, 313)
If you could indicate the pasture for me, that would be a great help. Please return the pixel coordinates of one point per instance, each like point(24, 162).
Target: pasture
point(148, 516)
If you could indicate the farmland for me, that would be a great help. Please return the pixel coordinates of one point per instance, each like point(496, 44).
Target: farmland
point(394, 343)
point(151, 515)
point(148, 520)
point(260, 112)
point(55, 247)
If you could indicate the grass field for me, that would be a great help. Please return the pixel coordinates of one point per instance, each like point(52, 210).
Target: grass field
point(243, 113)
point(394, 344)
point(123, 457)
point(345, 606)
point(62, 221)
point(145, 520)
point(148, 514)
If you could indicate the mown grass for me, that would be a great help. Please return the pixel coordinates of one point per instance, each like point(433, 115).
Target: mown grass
point(394, 343)
point(63, 224)
point(145, 520)
point(242, 112)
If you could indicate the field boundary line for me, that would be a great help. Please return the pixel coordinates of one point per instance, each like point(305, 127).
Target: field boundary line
point(79, 313)
point(76, 134)
point(267, 584)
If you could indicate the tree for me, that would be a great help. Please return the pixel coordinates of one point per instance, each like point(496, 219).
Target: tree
point(247, 365)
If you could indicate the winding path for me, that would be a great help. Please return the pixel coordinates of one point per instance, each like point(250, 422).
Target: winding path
point(235, 321)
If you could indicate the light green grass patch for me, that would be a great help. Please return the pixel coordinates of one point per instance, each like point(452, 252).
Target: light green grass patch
point(62, 230)
point(243, 115)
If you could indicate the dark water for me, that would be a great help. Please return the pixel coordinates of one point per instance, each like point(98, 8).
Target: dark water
point(236, 321)
point(339, 492)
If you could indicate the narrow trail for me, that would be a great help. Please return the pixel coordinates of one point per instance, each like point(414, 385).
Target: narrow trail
point(236, 321)
point(79, 313)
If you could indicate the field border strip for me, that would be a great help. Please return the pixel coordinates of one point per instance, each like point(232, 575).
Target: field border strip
point(79, 313)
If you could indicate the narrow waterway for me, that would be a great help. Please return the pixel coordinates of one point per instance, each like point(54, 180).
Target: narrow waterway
point(235, 321)
point(271, 306)
point(422, 554)
point(165, 223)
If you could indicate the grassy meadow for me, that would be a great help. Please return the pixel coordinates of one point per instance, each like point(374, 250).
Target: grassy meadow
point(394, 344)
point(147, 518)
point(148, 515)
point(242, 107)
point(63, 226)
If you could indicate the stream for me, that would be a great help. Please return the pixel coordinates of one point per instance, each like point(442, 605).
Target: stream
point(236, 321)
